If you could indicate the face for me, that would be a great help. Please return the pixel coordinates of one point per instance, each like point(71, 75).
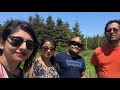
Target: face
point(47, 49)
point(75, 45)
point(18, 45)
point(113, 32)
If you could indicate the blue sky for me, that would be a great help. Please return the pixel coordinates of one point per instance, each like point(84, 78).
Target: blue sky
point(91, 23)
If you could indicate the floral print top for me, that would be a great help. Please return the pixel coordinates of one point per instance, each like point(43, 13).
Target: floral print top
point(40, 71)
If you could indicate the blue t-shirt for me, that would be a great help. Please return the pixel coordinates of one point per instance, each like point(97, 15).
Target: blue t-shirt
point(70, 67)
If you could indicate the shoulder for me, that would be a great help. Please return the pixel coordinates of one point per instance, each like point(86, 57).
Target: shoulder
point(37, 60)
point(61, 53)
point(80, 58)
point(100, 50)
point(3, 73)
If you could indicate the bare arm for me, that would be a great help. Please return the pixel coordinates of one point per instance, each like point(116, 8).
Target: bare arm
point(30, 75)
point(83, 75)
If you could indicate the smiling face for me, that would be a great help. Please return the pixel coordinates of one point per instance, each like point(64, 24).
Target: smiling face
point(17, 53)
point(112, 32)
point(75, 45)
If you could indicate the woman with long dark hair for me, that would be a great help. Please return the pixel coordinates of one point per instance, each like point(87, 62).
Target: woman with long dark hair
point(18, 44)
point(44, 65)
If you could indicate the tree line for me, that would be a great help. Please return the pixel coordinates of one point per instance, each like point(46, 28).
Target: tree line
point(60, 31)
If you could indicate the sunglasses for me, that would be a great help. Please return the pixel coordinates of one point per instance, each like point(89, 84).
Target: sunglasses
point(17, 41)
point(45, 48)
point(75, 44)
point(114, 30)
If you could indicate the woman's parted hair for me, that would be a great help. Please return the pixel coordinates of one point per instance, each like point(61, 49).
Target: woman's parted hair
point(51, 41)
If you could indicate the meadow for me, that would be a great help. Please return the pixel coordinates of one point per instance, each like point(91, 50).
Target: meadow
point(90, 71)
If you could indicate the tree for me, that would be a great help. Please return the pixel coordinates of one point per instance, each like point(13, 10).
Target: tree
point(59, 22)
point(50, 25)
point(77, 32)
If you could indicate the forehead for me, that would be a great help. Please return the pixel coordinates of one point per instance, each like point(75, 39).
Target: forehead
point(48, 43)
point(77, 39)
point(21, 33)
point(113, 25)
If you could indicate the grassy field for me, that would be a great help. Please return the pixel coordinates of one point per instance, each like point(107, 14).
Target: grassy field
point(90, 71)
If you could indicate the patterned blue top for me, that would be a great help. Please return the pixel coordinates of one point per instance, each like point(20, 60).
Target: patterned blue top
point(40, 71)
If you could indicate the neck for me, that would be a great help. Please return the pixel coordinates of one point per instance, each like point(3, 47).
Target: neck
point(45, 61)
point(113, 44)
point(72, 54)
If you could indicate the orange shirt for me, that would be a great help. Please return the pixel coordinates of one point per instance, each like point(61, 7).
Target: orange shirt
point(108, 61)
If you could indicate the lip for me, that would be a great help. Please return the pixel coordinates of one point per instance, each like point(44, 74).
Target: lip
point(20, 54)
point(112, 36)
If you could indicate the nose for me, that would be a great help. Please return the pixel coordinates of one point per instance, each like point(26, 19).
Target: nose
point(112, 31)
point(48, 50)
point(23, 46)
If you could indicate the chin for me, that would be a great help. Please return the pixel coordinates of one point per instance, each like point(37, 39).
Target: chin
point(48, 56)
point(20, 60)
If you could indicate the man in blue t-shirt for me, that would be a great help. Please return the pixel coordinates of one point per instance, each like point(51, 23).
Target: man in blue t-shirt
point(71, 64)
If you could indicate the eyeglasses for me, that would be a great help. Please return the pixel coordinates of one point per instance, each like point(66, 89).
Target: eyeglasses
point(114, 30)
point(75, 44)
point(45, 48)
point(17, 41)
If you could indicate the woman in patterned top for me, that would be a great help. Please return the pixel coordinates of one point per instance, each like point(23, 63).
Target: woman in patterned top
point(44, 65)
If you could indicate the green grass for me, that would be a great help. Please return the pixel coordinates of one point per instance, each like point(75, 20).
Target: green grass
point(90, 71)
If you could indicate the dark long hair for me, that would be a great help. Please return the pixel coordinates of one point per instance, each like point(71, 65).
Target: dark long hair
point(52, 58)
point(51, 41)
point(13, 27)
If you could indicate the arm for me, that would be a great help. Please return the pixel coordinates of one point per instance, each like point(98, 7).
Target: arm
point(30, 74)
point(83, 74)
point(96, 71)
point(94, 62)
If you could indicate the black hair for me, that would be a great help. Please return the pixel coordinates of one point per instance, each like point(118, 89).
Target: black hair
point(13, 26)
point(52, 58)
point(51, 41)
point(112, 21)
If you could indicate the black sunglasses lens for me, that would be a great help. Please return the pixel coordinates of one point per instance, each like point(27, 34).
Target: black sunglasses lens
point(46, 49)
point(114, 30)
point(30, 44)
point(75, 43)
point(16, 41)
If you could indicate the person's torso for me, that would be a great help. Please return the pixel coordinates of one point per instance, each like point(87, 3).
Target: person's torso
point(109, 62)
point(70, 67)
point(4, 73)
point(40, 71)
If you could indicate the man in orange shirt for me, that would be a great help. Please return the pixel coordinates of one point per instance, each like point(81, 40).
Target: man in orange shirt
point(106, 59)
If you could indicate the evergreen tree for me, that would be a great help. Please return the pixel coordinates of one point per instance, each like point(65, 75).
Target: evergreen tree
point(50, 25)
point(59, 22)
point(77, 31)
